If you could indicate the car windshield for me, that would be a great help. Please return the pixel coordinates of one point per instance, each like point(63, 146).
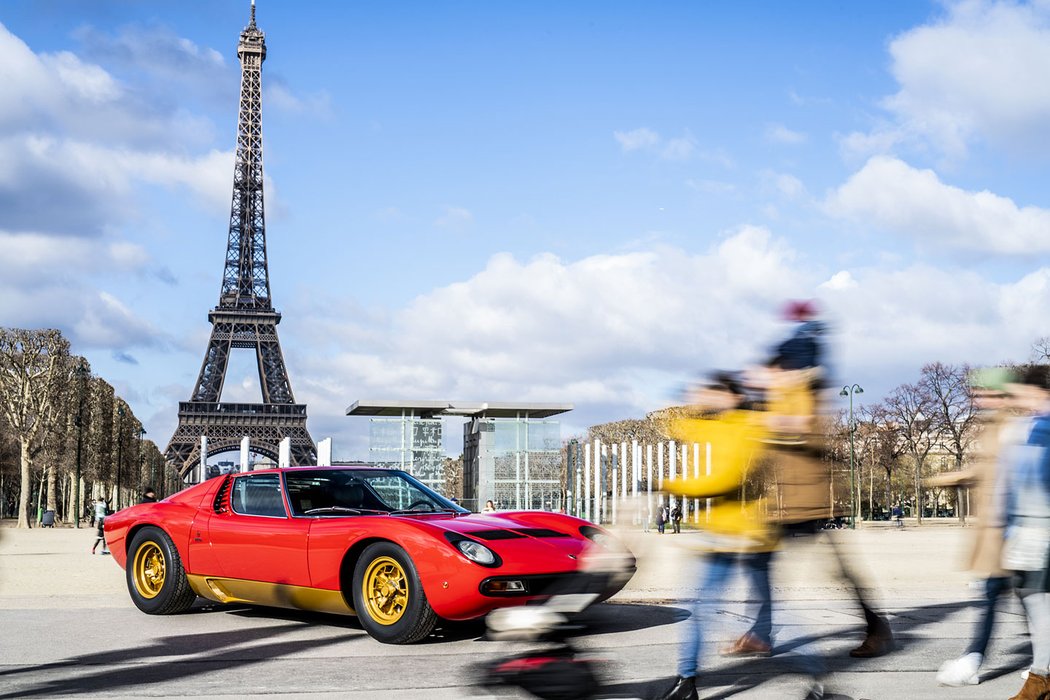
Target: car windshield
point(341, 492)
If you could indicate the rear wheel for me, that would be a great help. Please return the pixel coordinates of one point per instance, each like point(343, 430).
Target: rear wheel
point(156, 578)
point(388, 596)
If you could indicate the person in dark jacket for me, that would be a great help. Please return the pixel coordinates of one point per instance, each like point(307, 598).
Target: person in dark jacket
point(148, 495)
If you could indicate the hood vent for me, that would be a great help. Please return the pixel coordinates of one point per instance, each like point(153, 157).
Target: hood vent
point(516, 534)
point(541, 532)
point(495, 535)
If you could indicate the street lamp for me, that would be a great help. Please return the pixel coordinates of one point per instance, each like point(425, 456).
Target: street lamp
point(82, 373)
point(850, 391)
point(120, 453)
point(142, 457)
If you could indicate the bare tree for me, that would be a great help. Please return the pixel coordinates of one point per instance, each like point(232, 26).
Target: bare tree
point(910, 409)
point(955, 415)
point(34, 373)
point(1041, 350)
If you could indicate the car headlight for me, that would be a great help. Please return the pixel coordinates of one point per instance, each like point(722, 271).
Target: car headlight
point(476, 552)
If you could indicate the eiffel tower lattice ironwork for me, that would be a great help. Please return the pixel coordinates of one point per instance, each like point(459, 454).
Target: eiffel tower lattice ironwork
point(244, 317)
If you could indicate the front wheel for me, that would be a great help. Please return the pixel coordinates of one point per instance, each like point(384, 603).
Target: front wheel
point(156, 578)
point(389, 597)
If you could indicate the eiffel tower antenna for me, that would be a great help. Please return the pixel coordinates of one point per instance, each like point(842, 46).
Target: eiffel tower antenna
point(244, 316)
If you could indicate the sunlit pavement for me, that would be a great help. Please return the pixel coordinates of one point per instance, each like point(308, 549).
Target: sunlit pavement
point(69, 629)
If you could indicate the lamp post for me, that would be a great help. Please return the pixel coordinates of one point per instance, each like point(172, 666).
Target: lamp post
point(120, 452)
point(572, 465)
point(850, 391)
point(142, 457)
point(82, 373)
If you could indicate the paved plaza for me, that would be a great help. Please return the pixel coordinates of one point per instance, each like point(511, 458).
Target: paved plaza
point(70, 629)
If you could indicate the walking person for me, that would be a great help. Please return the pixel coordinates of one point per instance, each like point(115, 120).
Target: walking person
point(661, 518)
point(993, 398)
point(734, 528)
point(101, 510)
point(792, 381)
point(676, 519)
point(148, 495)
point(1026, 550)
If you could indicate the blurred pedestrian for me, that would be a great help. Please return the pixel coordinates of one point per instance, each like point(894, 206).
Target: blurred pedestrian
point(676, 519)
point(490, 507)
point(734, 527)
point(148, 495)
point(101, 510)
point(792, 381)
point(661, 518)
point(1025, 482)
point(993, 399)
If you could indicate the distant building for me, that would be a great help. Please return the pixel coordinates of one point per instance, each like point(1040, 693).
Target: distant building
point(511, 451)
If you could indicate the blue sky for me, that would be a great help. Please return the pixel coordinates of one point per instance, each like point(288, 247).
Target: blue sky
point(582, 202)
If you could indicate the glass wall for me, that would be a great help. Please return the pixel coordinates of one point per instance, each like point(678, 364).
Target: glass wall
point(409, 443)
point(526, 469)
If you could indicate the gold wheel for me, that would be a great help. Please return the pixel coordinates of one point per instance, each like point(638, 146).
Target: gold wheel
point(385, 590)
point(149, 570)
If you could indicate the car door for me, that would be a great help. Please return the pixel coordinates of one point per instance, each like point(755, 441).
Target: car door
point(254, 539)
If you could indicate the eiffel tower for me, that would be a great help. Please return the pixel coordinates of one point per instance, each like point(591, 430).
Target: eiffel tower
point(244, 317)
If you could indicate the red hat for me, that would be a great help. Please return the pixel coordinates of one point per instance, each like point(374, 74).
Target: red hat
point(799, 310)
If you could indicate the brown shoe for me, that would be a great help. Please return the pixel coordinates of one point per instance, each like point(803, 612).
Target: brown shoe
point(1035, 687)
point(747, 645)
point(875, 644)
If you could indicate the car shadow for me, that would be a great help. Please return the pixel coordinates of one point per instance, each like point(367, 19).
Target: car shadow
point(604, 618)
point(172, 658)
point(790, 658)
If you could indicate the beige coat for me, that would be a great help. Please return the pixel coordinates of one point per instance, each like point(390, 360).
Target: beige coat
point(803, 479)
point(986, 541)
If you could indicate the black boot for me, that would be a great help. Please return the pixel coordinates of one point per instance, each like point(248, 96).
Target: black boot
point(684, 689)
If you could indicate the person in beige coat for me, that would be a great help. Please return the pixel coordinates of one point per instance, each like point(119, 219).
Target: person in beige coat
point(990, 389)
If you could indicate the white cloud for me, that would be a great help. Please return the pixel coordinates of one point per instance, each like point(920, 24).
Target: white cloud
point(978, 72)
point(279, 95)
point(545, 329)
point(616, 334)
point(890, 194)
point(840, 280)
point(679, 149)
point(647, 140)
point(454, 218)
point(778, 133)
point(637, 139)
point(786, 184)
point(710, 186)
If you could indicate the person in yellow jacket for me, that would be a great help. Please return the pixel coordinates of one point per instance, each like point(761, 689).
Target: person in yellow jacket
point(733, 526)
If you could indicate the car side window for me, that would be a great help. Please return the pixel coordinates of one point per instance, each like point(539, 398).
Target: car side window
point(258, 494)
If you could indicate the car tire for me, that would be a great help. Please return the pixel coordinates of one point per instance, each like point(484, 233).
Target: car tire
point(388, 596)
point(156, 578)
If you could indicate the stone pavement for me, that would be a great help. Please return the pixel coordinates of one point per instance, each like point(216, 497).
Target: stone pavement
point(55, 597)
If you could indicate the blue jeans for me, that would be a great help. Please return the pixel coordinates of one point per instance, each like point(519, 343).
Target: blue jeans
point(994, 587)
point(756, 566)
point(713, 573)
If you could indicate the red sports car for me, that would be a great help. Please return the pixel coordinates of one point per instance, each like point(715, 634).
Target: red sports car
point(361, 541)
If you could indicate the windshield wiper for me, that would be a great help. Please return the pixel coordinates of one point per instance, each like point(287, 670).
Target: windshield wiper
point(417, 511)
point(336, 509)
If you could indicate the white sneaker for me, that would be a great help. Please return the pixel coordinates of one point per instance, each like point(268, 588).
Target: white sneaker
point(961, 671)
point(1024, 673)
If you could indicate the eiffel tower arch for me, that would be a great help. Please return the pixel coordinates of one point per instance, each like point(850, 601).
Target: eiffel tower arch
point(245, 317)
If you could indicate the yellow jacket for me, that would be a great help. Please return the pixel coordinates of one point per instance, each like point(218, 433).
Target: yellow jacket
point(733, 524)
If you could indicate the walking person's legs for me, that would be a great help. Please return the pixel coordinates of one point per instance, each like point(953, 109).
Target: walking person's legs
point(713, 572)
point(878, 637)
point(757, 641)
point(964, 670)
point(1037, 685)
